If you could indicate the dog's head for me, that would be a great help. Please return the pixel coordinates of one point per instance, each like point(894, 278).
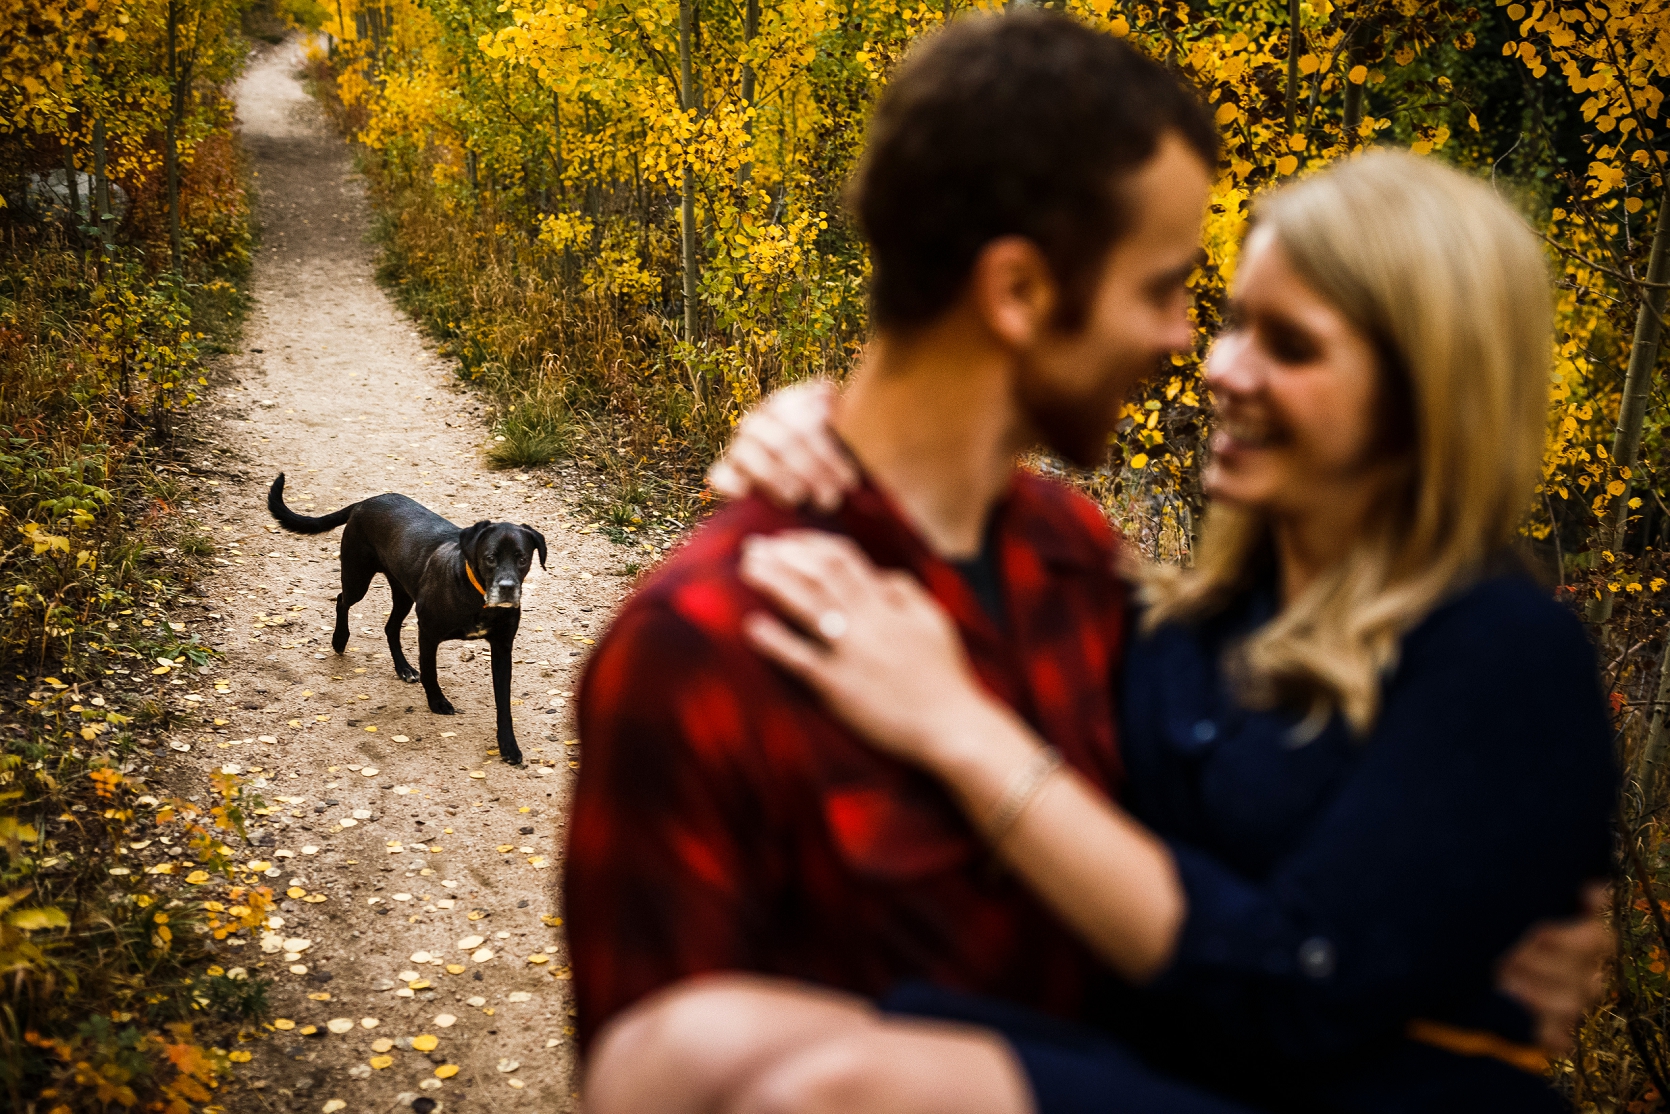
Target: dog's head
point(500, 554)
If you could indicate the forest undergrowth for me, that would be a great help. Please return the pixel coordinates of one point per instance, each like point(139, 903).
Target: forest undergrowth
point(125, 240)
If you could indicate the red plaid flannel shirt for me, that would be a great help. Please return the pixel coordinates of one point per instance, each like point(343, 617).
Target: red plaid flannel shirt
point(723, 820)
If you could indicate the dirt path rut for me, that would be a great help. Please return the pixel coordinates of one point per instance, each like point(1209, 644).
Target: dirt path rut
point(420, 870)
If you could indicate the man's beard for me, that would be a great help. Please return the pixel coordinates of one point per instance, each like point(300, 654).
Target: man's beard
point(1074, 425)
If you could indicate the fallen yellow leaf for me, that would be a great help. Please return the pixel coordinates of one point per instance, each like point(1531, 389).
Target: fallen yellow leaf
point(426, 1042)
point(381, 1062)
point(445, 1071)
point(197, 877)
point(283, 1023)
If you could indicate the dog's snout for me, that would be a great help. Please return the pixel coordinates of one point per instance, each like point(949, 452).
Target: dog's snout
point(504, 593)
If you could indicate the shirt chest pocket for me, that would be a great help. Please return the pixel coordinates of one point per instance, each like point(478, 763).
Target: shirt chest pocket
point(887, 833)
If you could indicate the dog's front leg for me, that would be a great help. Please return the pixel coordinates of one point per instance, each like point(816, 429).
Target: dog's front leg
point(428, 645)
point(501, 642)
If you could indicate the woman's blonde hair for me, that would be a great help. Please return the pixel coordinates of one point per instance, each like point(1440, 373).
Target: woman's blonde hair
point(1451, 285)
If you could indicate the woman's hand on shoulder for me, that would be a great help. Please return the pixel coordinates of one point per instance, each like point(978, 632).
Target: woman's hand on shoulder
point(876, 646)
point(784, 450)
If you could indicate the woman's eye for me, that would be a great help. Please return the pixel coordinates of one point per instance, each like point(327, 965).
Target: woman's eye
point(1289, 345)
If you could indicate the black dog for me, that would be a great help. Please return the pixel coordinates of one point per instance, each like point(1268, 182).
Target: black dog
point(466, 584)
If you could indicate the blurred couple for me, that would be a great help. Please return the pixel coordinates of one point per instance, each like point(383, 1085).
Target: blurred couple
point(907, 789)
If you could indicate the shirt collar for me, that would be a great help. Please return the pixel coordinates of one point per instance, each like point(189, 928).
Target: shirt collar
point(1045, 526)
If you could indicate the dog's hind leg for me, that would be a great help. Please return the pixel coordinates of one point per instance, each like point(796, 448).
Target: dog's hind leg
point(355, 582)
point(402, 607)
point(427, 648)
point(359, 565)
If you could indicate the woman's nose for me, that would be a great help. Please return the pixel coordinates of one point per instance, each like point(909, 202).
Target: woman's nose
point(1232, 366)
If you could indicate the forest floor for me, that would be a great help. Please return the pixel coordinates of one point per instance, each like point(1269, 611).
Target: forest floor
point(418, 875)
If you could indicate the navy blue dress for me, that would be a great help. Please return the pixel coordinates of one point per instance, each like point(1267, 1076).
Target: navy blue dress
point(1341, 888)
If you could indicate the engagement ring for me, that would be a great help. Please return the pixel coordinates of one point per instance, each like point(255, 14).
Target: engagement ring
point(832, 625)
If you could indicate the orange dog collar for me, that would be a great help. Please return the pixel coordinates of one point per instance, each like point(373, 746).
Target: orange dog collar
point(469, 572)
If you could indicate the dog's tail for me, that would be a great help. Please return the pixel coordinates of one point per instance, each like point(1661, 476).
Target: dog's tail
point(301, 523)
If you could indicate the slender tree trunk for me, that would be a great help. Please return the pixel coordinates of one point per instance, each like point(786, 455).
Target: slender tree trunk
point(687, 212)
point(1658, 717)
point(101, 186)
point(171, 152)
point(72, 188)
point(1294, 46)
point(556, 147)
point(1355, 93)
point(1638, 380)
point(750, 28)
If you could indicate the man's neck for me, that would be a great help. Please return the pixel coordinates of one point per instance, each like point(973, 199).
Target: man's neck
point(932, 420)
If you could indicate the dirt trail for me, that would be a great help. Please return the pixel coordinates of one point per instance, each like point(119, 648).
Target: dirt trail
point(418, 865)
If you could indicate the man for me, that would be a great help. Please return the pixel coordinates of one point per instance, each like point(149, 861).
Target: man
point(1032, 193)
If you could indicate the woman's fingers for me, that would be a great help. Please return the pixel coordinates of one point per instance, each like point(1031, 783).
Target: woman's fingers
point(751, 465)
point(830, 472)
point(1556, 972)
point(776, 642)
point(847, 574)
point(792, 583)
point(803, 448)
point(785, 451)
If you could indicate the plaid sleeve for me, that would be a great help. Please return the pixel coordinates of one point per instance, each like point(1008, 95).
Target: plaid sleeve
point(656, 886)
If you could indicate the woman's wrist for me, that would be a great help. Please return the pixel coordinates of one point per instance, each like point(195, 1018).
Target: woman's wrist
point(978, 750)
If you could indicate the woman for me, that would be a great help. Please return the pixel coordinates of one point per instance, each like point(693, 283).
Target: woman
point(1365, 752)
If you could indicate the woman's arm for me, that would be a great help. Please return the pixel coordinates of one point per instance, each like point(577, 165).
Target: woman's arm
point(1443, 846)
point(1105, 874)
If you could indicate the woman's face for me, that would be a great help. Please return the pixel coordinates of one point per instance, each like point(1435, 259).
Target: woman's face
point(1296, 388)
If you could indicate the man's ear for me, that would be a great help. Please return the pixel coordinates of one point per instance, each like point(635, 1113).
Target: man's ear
point(1014, 291)
point(538, 541)
point(469, 536)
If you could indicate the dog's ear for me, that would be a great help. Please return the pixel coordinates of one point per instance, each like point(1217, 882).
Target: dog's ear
point(469, 535)
point(538, 542)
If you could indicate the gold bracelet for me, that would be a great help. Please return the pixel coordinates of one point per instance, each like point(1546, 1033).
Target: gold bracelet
point(1023, 787)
